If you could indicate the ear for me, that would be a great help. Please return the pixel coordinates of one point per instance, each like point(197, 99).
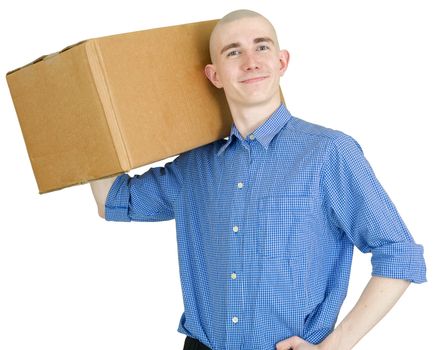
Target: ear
point(211, 74)
point(284, 60)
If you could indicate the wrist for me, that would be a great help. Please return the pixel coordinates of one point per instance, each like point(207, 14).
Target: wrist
point(333, 341)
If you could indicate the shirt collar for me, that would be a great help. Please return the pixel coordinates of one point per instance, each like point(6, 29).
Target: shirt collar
point(265, 132)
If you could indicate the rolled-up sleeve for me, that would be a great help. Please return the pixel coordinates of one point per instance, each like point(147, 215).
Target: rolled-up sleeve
point(357, 204)
point(147, 197)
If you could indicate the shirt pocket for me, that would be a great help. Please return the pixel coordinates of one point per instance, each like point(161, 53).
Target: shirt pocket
point(284, 226)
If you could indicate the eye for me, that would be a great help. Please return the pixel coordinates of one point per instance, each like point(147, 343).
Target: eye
point(233, 53)
point(263, 48)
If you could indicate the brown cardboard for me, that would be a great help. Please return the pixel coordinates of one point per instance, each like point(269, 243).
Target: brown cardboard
point(111, 104)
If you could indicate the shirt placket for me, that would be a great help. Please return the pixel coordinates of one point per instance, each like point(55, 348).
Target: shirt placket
point(236, 313)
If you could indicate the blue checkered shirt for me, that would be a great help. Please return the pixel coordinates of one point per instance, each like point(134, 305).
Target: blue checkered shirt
point(266, 227)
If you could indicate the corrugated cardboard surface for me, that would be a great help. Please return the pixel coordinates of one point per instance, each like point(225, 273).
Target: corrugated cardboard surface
point(111, 104)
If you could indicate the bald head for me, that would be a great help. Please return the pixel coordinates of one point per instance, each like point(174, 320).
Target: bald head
point(232, 17)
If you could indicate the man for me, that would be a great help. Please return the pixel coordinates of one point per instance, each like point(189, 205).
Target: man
point(267, 220)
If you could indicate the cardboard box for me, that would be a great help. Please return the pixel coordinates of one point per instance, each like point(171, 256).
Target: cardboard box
point(110, 104)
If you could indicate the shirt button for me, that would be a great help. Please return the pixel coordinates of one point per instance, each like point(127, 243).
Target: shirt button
point(233, 275)
point(235, 228)
point(240, 185)
point(252, 137)
point(235, 319)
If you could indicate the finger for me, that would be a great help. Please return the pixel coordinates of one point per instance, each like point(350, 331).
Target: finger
point(288, 344)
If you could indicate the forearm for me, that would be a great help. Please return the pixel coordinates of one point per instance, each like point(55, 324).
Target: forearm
point(376, 300)
point(100, 189)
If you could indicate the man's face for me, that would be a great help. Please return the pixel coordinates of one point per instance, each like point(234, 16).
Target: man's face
point(247, 63)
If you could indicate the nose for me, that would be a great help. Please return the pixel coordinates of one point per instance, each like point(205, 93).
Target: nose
point(250, 63)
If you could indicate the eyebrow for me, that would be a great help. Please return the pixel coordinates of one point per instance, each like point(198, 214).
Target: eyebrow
point(255, 41)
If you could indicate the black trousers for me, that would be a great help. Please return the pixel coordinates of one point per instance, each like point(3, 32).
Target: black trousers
point(194, 344)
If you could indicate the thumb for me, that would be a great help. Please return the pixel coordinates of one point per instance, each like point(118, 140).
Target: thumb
point(289, 344)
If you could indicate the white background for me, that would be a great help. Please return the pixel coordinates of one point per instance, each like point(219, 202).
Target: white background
point(70, 280)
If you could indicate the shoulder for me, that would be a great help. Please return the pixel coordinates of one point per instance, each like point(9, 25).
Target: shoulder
point(330, 138)
point(307, 129)
point(207, 151)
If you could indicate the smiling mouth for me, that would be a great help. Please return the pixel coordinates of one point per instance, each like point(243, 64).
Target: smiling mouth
point(253, 80)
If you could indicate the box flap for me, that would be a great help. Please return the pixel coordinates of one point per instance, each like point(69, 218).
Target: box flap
point(45, 57)
point(100, 77)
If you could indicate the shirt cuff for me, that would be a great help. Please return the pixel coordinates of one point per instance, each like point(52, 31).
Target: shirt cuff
point(118, 198)
point(402, 260)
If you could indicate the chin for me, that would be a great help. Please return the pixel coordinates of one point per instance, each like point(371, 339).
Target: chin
point(258, 98)
point(254, 97)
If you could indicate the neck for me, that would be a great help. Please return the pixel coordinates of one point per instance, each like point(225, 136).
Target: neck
point(247, 118)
